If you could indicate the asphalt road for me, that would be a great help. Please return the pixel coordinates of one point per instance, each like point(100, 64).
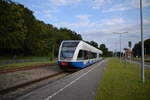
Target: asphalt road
point(80, 85)
point(138, 62)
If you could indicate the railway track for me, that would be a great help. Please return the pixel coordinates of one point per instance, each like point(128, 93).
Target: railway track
point(14, 88)
point(2, 71)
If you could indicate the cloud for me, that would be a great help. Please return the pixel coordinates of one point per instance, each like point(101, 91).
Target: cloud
point(83, 17)
point(105, 35)
point(113, 21)
point(99, 3)
point(128, 5)
point(133, 29)
point(82, 21)
point(47, 14)
point(85, 22)
point(102, 31)
point(136, 3)
point(64, 2)
point(118, 7)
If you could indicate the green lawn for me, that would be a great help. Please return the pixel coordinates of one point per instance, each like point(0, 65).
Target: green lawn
point(122, 82)
point(27, 64)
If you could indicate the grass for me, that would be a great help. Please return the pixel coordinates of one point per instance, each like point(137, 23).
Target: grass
point(122, 82)
point(27, 64)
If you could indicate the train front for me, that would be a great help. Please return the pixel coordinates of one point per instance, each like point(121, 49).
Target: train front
point(66, 53)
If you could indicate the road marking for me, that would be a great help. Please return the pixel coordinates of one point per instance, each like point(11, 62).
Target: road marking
point(54, 94)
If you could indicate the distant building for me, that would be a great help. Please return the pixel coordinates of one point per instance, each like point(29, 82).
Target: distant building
point(127, 53)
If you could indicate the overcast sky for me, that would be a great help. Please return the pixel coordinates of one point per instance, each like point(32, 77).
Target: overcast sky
point(95, 19)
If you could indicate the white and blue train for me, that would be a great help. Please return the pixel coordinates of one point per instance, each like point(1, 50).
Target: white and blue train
point(77, 54)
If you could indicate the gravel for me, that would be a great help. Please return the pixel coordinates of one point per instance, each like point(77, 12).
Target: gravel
point(15, 78)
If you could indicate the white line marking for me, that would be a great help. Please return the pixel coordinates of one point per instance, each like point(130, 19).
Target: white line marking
point(54, 94)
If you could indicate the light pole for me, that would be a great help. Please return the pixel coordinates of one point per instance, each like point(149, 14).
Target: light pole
point(120, 41)
point(142, 51)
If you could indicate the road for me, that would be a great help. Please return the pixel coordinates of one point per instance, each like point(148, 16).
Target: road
point(80, 85)
point(138, 62)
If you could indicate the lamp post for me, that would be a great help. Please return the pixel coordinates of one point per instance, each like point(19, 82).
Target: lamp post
point(120, 41)
point(142, 51)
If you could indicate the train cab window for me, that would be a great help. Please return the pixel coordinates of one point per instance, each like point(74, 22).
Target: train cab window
point(67, 54)
point(70, 44)
point(67, 50)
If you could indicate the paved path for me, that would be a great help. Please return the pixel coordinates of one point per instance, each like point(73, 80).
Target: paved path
point(80, 85)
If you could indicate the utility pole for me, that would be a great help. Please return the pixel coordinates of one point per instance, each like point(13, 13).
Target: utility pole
point(120, 48)
point(130, 52)
point(120, 41)
point(142, 41)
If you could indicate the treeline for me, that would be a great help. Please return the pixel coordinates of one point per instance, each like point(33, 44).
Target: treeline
point(102, 47)
point(137, 48)
point(22, 34)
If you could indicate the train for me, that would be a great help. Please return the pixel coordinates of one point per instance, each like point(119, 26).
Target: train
point(77, 54)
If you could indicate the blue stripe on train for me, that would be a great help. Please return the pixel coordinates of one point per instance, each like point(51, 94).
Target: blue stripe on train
point(79, 64)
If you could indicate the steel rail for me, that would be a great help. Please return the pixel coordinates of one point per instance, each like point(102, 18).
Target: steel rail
point(3, 71)
point(13, 88)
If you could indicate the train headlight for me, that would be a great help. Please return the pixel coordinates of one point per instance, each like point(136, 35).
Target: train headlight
point(64, 63)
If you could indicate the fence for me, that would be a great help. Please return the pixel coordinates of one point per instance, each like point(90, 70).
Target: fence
point(20, 61)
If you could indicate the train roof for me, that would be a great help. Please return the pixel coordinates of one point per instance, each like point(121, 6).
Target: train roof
point(85, 46)
point(71, 40)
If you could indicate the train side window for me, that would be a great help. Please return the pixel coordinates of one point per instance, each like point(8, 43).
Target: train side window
point(100, 55)
point(86, 56)
point(94, 55)
point(80, 55)
point(90, 55)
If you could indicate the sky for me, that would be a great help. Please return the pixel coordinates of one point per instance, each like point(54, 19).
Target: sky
point(96, 20)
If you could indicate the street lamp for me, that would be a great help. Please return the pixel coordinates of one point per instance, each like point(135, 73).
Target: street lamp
point(142, 51)
point(120, 41)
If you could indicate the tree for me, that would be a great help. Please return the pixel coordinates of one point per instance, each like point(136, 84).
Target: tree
point(93, 43)
point(105, 51)
point(137, 48)
point(147, 47)
point(23, 34)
